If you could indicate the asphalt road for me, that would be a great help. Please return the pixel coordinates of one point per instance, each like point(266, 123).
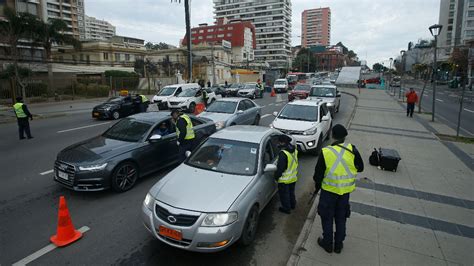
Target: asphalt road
point(29, 202)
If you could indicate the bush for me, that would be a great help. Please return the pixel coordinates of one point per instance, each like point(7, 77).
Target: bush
point(92, 90)
point(121, 74)
point(36, 90)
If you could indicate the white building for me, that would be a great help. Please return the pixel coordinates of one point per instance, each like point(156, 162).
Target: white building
point(96, 29)
point(272, 21)
point(468, 21)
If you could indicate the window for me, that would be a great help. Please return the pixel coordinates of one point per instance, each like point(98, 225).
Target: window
point(127, 57)
point(117, 57)
point(471, 3)
point(201, 31)
point(249, 104)
point(242, 106)
point(81, 57)
point(230, 28)
point(470, 23)
point(200, 37)
point(210, 30)
point(106, 56)
point(470, 13)
point(220, 36)
point(229, 34)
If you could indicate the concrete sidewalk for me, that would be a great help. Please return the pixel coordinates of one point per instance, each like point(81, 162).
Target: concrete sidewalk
point(423, 214)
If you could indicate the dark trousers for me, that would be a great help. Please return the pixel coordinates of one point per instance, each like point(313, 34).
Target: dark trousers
point(186, 145)
point(23, 127)
point(333, 208)
point(410, 109)
point(287, 195)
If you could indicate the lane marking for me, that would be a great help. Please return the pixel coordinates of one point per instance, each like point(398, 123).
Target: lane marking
point(44, 251)
point(271, 104)
point(465, 109)
point(47, 172)
point(267, 115)
point(78, 128)
point(439, 100)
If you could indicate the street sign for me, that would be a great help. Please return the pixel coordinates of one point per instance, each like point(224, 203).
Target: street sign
point(226, 44)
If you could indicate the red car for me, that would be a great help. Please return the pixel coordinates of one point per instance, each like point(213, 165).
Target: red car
point(300, 91)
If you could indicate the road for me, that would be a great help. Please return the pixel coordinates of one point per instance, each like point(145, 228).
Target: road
point(29, 202)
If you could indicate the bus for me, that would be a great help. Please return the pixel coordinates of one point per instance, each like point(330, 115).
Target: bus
point(295, 78)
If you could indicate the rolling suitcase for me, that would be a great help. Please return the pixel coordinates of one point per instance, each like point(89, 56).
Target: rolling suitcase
point(388, 159)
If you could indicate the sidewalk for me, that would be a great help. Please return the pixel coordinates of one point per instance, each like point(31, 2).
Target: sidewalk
point(423, 214)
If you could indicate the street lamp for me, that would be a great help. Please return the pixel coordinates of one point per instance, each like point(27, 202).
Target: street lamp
point(402, 69)
point(390, 74)
point(435, 31)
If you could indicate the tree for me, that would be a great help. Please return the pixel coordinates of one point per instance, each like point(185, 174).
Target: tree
point(344, 48)
point(459, 61)
point(301, 61)
point(377, 67)
point(158, 46)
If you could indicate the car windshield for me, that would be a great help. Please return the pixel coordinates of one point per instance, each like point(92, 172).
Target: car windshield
point(167, 91)
point(235, 86)
point(323, 92)
point(280, 82)
point(250, 86)
point(222, 107)
point(114, 100)
point(128, 129)
point(188, 93)
point(220, 155)
point(302, 87)
point(299, 112)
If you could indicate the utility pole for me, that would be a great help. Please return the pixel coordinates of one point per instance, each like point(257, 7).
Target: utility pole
point(214, 66)
point(460, 107)
point(308, 60)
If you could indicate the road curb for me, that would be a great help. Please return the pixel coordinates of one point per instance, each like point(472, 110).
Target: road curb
point(308, 224)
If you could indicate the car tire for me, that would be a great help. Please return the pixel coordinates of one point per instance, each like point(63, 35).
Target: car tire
point(124, 177)
point(116, 115)
point(257, 120)
point(192, 107)
point(250, 227)
point(317, 150)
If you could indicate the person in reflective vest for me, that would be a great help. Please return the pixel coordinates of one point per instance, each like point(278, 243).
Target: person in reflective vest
point(335, 175)
point(184, 132)
point(22, 114)
point(260, 88)
point(141, 102)
point(287, 174)
point(205, 97)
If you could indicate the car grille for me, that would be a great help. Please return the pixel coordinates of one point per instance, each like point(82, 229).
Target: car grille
point(291, 132)
point(174, 103)
point(181, 219)
point(66, 168)
point(183, 242)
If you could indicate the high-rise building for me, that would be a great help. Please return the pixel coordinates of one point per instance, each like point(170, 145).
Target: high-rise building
point(67, 10)
point(451, 17)
point(316, 27)
point(468, 22)
point(81, 19)
point(96, 29)
point(272, 21)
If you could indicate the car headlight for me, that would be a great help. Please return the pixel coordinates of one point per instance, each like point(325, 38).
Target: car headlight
point(148, 202)
point(330, 104)
point(219, 219)
point(220, 125)
point(93, 168)
point(311, 131)
point(271, 126)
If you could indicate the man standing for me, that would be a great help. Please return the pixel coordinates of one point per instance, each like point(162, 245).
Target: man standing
point(260, 88)
point(22, 114)
point(184, 132)
point(335, 175)
point(287, 174)
point(141, 101)
point(412, 98)
point(205, 97)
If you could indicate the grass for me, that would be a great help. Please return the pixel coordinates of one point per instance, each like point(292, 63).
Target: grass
point(461, 139)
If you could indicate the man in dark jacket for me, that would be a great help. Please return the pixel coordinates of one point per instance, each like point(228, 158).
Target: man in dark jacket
point(184, 132)
point(22, 114)
point(287, 174)
point(335, 175)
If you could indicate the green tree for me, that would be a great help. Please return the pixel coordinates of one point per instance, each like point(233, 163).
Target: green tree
point(305, 61)
point(377, 67)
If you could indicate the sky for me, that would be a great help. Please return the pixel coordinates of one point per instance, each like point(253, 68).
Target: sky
point(375, 29)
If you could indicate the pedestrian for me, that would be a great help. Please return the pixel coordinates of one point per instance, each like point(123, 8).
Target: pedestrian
point(22, 114)
point(184, 132)
point(412, 98)
point(260, 87)
point(287, 174)
point(226, 84)
point(205, 97)
point(335, 175)
point(208, 83)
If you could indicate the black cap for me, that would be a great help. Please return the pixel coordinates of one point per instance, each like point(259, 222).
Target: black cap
point(19, 99)
point(339, 131)
point(175, 111)
point(284, 139)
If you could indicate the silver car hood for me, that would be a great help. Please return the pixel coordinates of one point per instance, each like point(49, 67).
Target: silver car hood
point(324, 99)
point(216, 117)
point(199, 190)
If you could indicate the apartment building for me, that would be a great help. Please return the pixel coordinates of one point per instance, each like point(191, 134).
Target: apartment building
point(316, 27)
point(96, 29)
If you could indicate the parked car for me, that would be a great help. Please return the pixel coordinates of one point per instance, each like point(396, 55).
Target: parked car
point(395, 81)
point(300, 91)
point(213, 200)
point(329, 94)
point(189, 97)
point(233, 89)
point(249, 90)
point(116, 107)
point(281, 85)
point(128, 150)
point(219, 90)
point(233, 111)
point(162, 97)
point(308, 122)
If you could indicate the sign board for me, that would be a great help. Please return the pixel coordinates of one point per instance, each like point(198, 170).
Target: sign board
point(226, 44)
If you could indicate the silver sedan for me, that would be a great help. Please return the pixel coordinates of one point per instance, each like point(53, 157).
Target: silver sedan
point(215, 197)
point(233, 111)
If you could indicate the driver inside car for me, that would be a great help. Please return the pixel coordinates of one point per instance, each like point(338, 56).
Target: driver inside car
point(163, 129)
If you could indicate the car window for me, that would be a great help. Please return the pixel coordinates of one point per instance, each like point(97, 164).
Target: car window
point(241, 106)
point(209, 90)
point(178, 91)
point(323, 92)
point(248, 104)
point(268, 155)
point(189, 92)
point(226, 107)
point(128, 129)
point(325, 109)
point(196, 122)
point(321, 113)
point(164, 128)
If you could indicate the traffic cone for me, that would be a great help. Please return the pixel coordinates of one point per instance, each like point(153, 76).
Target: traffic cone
point(273, 94)
point(65, 233)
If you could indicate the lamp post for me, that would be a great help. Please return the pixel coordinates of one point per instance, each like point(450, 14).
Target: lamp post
point(390, 74)
point(435, 31)
point(402, 69)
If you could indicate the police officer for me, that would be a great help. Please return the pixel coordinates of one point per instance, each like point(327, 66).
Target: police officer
point(287, 174)
point(142, 102)
point(260, 88)
point(204, 96)
point(335, 175)
point(184, 132)
point(22, 114)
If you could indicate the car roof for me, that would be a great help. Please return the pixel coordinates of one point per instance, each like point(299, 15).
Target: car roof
point(250, 83)
point(281, 79)
point(306, 102)
point(230, 99)
point(252, 134)
point(183, 85)
point(325, 86)
point(151, 117)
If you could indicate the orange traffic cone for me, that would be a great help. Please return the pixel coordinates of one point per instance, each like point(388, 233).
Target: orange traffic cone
point(199, 108)
point(273, 94)
point(65, 234)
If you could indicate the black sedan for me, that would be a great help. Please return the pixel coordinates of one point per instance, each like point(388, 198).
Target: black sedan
point(219, 90)
point(116, 107)
point(134, 147)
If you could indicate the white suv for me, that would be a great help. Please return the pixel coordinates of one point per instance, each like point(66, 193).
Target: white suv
point(308, 122)
point(189, 97)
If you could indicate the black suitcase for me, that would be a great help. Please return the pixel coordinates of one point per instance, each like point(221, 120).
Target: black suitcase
point(389, 159)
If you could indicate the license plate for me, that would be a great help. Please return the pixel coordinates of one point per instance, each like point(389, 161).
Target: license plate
point(63, 175)
point(171, 233)
point(95, 114)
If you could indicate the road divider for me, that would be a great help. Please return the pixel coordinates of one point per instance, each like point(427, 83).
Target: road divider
point(78, 128)
point(47, 172)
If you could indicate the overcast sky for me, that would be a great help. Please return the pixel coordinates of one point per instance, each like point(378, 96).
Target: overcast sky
point(375, 29)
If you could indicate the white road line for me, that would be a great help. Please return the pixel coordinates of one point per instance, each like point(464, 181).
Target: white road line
point(267, 115)
point(44, 250)
point(77, 128)
point(47, 172)
point(465, 109)
point(271, 104)
point(439, 100)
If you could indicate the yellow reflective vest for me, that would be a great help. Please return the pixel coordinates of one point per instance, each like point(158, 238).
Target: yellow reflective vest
point(18, 108)
point(144, 98)
point(189, 128)
point(340, 174)
point(291, 173)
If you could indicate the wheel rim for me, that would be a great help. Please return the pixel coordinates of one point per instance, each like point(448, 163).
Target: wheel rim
point(116, 115)
point(126, 177)
point(251, 224)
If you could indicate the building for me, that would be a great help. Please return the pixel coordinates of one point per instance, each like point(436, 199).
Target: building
point(67, 10)
point(25, 6)
point(316, 27)
point(81, 19)
point(451, 17)
point(272, 21)
point(239, 34)
point(96, 29)
point(468, 22)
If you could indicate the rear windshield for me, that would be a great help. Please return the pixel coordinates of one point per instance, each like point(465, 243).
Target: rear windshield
point(302, 87)
point(323, 92)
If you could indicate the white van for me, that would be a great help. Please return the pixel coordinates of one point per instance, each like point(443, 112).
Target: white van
point(162, 96)
point(280, 85)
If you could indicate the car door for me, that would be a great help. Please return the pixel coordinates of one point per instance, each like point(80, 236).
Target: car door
point(127, 106)
point(200, 131)
point(324, 118)
point(240, 115)
point(267, 185)
point(250, 112)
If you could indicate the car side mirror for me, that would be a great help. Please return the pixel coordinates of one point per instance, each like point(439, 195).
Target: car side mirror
point(325, 118)
point(155, 138)
point(338, 94)
point(187, 154)
point(240, 112)
point(270, 168)
point(275, 114)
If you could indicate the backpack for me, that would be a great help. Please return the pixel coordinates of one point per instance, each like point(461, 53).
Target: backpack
point(374, 158)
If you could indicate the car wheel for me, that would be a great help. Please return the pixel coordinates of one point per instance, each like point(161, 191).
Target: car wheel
point(124, 176)
point(192, 107)
point(317, 151)
point(116, 115)
point(257, 120)
point(250, 227)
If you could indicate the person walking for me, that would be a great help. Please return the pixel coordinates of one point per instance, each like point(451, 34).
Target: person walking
point(412, 99)
point(22, 114)
point(335, 175)
point(260, 87)
point(287, 174)
point(184, 132)
point(205, 97)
